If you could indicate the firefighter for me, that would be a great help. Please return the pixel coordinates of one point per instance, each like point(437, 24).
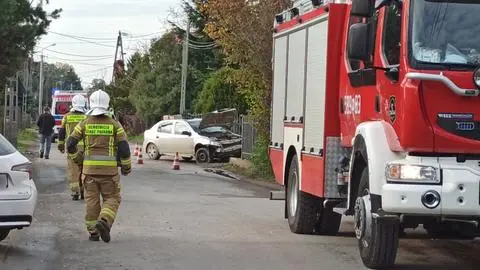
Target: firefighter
point(69, 121)
point(105, 148)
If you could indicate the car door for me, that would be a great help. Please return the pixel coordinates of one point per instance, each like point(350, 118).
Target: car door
point(182, 138)
point(164, 136)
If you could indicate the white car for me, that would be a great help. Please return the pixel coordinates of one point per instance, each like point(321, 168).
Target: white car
point(18, 193)
point(207, 139)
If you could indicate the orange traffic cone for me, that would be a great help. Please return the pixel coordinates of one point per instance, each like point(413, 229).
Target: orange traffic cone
point(139, 157)
point(136, 150)
point(176, 162)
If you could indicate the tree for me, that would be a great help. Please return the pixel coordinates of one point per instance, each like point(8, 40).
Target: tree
point(61, 76)
point(244, 29)
point(220, 91)
point(21, 25)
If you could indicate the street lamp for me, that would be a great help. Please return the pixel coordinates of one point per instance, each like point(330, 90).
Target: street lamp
point(40, 86)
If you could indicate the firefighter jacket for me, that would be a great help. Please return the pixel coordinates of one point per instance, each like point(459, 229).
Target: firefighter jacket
point(69, 121)
point(105, 146)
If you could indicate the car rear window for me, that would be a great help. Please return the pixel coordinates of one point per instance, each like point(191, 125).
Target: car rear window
point(6, 148)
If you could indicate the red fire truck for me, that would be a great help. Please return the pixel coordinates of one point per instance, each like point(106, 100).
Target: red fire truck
point(61, 105)
point(375, 115)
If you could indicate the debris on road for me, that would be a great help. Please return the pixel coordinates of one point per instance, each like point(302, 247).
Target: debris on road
point(221, 172)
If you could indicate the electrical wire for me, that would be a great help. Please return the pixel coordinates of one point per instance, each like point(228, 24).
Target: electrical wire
point(104, 39)
point(201, 43)
point(94, 70)
point(79, 55)
point(81, 60)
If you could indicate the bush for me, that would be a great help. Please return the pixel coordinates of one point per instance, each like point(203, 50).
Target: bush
point(260, 159)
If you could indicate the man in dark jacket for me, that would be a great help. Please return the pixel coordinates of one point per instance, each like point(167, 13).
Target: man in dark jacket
point(45, 124)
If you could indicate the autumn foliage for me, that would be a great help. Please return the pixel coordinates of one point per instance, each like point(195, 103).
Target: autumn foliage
point(244, 30)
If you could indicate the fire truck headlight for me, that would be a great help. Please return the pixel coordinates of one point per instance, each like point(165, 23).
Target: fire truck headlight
point(408, 173)
point(476, 77)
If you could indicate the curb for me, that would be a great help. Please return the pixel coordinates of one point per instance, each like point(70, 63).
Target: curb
point(266, 185)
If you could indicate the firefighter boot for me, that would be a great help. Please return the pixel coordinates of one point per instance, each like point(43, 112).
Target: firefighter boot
point(104, 230)
point(94, 237)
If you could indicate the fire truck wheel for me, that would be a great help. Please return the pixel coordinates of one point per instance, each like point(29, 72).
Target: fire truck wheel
point(377, 239)
point(329, 222)
point(302, 208)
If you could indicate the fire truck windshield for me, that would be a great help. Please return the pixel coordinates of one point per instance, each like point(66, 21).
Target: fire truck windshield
point(445, 33)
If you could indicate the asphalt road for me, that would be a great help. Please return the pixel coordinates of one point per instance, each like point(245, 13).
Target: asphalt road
point(191, 219)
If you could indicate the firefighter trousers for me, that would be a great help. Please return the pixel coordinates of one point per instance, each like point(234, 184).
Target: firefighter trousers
point(74, 173)
point(108, 188)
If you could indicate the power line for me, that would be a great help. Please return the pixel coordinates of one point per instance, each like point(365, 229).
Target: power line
point(104, 39)
point(201, 43)
point(84, 40)
point(88, 41)
point(81, 60)
point(79, 55)
point(94, 70)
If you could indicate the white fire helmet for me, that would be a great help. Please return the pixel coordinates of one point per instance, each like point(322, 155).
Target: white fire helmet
point(99, 103)
point(78, 103)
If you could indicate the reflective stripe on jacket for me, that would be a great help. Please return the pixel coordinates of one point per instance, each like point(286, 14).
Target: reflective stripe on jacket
point(69, 121)
point(101, 135)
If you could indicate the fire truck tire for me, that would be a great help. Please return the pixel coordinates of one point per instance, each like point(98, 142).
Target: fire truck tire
point(302, 208)
point(4, 233)
point(329, 222)
point(377, 239)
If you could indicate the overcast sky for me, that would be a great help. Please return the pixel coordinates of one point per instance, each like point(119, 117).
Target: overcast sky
point(101, 21)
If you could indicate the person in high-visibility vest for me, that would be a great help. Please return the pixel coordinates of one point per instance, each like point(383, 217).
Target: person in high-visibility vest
point(105, 148)
point(69, 121)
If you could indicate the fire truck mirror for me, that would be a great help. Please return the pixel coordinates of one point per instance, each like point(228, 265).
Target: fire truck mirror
point(362, 8)
point(358, 42)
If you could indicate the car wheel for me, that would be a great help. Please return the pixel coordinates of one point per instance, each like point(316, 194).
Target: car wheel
point(152, 151)
point(202, 155)
point(4, 234)
point(187, 158)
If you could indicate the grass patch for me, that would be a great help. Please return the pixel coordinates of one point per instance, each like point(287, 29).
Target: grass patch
point(249, 173)
point(260, 168)
point(138, 139)
point(26, 138)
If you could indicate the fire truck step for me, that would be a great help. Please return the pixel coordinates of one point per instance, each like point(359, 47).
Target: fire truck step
point(339, 210)
point(277, 195)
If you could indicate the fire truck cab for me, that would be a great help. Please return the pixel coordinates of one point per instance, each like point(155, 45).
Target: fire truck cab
point(375, 114)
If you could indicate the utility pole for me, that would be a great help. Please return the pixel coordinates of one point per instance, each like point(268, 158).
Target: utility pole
point(15, 108)
point(118, 62)
point(184, 67)
point(40, 87)
point(5, 102)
